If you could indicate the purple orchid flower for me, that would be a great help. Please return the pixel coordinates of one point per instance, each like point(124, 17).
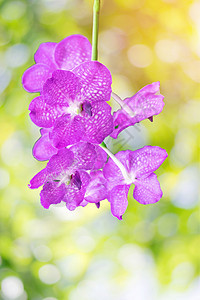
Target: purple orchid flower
point(65, 177)
point(74, 104)
point(134, 167)
point(65, 55)
point(143, 105)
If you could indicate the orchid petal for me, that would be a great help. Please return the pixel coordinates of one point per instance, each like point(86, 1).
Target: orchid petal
point(67, 131)
point(42, 114)
point(34, 77)
point(39, 179)
point(100, 124)
point(45, 55)
point(101, 158)
point(72, 51)
point(95, 81)
point(60, 162)
point(52, 193)
point(147, 190)
point(146, 160)
point(43, 148)
point(118, 200)
point(112, 172)
point(61, 88)
point(97, 189)
point(84, 155)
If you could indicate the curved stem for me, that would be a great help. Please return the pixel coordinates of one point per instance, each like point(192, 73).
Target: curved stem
point(95, 30)
point(118, 163)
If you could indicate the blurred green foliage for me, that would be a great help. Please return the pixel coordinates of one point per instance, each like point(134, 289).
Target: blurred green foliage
point(87, 254)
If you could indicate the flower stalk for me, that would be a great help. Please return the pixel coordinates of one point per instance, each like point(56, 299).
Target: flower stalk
point(95, 30)
point(118, 163)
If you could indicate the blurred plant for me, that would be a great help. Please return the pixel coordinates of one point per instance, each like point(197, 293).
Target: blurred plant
point(75, 117)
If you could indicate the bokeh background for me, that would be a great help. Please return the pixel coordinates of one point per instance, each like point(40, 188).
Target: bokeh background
point(153, 254)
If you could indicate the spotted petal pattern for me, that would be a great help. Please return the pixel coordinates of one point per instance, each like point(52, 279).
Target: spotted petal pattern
point(34, 78)
point(118, 200)
point(100, 124)
point(84, 155)
point(61, 88)
point(72, 51)
point(67, 131)
point(52, 193)
point(146, 160)
point(64, 107)
point(95, 80)
point(42, 114)
point(147, 190)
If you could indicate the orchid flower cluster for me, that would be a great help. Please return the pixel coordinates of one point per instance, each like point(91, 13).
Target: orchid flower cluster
point(75, 118)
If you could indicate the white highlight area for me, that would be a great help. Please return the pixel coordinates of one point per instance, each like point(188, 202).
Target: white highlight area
point(12, 288)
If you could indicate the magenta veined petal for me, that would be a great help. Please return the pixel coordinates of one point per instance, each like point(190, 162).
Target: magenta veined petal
point(147, 190)
point(112, 172)
point(61, 88)
point(42, 114)
point(146, 160)
point(60, 162)
point(101, 158)
point(52, 193)
point(45, 55)
point(84, 155)
point(34, 78)
point(39, 179)
point(43, 148)
point(97, 189)
point(100, 124)
point(72, 51)
point(95, 81)
point(118, 200)
point(67, 131)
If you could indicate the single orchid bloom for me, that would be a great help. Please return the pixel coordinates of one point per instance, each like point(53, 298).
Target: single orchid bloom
point(65, 55)
point(74, 104)
point(143, 105)
point(65, 177)
point(137, 167)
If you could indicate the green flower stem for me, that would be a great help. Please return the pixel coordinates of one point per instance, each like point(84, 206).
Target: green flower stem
point(95, 31)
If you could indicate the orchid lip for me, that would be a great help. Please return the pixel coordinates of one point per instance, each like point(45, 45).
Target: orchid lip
point(87, 108)
point(75, 179)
